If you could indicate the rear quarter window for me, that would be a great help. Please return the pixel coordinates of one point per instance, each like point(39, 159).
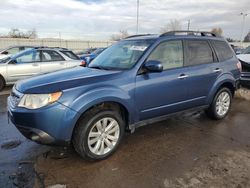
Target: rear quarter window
point(223, 50)
point(70, 55)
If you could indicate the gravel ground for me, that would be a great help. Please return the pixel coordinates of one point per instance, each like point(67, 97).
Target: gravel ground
point(187, 150)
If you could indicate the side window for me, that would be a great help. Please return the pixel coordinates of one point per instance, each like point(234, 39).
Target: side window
point(21, 48)
point(198, 52)
point(169, 53)
point(49, 55)
point(29, 57)
point(70, 55)
point(223, 50)
point(13, 50)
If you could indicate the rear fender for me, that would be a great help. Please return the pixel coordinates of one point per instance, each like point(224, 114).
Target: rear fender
point(223, 79)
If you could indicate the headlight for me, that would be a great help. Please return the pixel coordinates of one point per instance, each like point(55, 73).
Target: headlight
point(34, 101)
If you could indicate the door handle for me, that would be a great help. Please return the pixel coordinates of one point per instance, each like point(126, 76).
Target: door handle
point(35, 64)
point(183, 76)
point(217, 70)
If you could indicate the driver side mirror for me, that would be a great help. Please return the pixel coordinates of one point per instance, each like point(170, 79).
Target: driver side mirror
point(153, 66)
point(13, 62)
point(5, 53)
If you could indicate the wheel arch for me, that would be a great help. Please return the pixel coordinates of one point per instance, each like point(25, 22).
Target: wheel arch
point(4, 81)
point(228, 82)
point(111, 104)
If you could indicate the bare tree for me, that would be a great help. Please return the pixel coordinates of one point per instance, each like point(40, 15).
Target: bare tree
point(122, 34)
point(16, 33)
point(32, 34)
point(173, 25)
point(217, 31)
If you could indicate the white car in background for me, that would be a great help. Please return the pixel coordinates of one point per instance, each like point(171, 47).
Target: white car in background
point(244, 58)
point(35, 61)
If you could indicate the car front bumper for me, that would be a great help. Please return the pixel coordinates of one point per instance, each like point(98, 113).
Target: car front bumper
point(245, 79)
point(52, 125)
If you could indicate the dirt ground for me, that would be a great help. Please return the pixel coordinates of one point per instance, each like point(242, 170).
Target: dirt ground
point(187, 150)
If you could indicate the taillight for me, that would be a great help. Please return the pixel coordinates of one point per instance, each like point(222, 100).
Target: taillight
point(83, 63)
point(239, 66)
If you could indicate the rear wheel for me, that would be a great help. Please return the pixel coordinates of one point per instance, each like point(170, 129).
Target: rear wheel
point(2, 83)
point(98, 135)
point(221, 104)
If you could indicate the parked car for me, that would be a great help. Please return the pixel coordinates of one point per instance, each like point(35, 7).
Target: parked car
point(34, 61)
point(13, 50)
point(238, 50)
point(245, 61)
point(245, 79)
point(139, 80)
point(85, 52)
point(89, 57)
point(244, 58)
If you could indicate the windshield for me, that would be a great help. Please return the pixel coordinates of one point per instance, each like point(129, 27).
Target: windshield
point(247, 50)
point(122, 55)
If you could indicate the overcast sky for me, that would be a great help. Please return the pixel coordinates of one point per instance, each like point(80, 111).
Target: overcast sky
point(99, 19)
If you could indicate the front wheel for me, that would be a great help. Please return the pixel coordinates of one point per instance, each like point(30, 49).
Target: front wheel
point(98, 135)
point(221, 104)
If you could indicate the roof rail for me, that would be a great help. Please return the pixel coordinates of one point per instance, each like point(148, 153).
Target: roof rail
point(37, 47)
point(139, 35)
point(195, 33)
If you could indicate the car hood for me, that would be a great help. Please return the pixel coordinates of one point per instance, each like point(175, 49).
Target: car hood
point(65, 79)
point(244, 57)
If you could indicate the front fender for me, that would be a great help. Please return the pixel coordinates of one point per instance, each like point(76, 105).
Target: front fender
point(224, 78)
point(99, 95)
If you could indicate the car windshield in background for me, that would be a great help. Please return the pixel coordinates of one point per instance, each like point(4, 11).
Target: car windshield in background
point(122, 55)
point(247, 50)
point(98, 51)
point(70, 55)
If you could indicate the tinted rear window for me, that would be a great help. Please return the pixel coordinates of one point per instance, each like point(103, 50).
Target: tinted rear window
point(70, 55)
point(223, 50)
point(198, 52)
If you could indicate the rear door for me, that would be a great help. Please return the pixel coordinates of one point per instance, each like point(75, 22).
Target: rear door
point(24, 66)
point(52, 61)
point(203, 70)
point(164, 92)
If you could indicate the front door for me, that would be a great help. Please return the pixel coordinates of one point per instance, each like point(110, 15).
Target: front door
point(163, 93)
point(24, 66)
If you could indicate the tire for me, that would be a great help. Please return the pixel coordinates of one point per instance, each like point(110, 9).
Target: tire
point(216, 111)
point(87, 130)
point(2, 83)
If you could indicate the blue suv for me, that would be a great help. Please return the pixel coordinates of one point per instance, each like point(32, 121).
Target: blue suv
point(136, 81)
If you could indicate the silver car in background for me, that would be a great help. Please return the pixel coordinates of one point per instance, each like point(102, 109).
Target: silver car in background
point(35, 61)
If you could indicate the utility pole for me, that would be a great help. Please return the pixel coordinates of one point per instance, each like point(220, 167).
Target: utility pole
point(188, 25)
point(244, 15)
point(137, 17)
point(60, 37)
